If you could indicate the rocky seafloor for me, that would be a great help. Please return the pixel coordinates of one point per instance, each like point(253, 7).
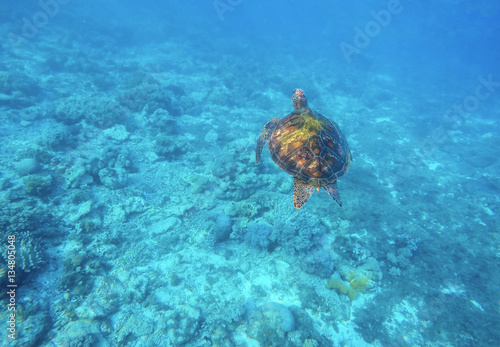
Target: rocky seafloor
point(128, 176)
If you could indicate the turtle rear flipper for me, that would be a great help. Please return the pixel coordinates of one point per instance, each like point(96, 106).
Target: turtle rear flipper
point(332, 191)
point(301, 192)
point(264, 136)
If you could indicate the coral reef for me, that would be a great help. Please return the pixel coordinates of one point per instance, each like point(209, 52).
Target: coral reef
point(29, 254)
point(296, 232)
point(128, 177)
point(152, 95)
point(18, 89)
point(94, 109)
point(318, 262)
point(270, 322)
point(257, 234)
point(37, 185)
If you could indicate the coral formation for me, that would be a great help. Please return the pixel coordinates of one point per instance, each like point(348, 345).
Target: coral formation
point(18, 89)
point(356, 281)
point(337, 283)
point(318, 262)
point(28, 252)
point(296, 232)
point(94, 109)
point(270, 321)
point(257, 234)
point(37, 185)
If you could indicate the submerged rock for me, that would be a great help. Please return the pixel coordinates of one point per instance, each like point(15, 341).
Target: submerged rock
point(27, 166)
point(270, 322)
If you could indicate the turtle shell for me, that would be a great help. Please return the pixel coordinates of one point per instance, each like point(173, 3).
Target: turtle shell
point(310, 147)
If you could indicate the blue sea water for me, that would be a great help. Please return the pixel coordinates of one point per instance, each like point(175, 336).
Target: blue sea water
point(133, 212)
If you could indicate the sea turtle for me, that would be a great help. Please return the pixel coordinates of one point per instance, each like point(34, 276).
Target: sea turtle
point(309, 147)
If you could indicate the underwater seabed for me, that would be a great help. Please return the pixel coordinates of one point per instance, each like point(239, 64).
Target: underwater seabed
point(142, 219)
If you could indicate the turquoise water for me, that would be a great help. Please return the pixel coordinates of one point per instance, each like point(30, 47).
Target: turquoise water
point(130, 193)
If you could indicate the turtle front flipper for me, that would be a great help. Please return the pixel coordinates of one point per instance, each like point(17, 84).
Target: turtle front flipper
point(332, 191)
point(265, 135)
point(301, 192)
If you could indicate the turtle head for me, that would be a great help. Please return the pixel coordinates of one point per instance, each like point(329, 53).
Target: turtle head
point(299, 99)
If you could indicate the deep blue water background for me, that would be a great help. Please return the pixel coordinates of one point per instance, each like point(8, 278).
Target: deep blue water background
point(128, 174)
